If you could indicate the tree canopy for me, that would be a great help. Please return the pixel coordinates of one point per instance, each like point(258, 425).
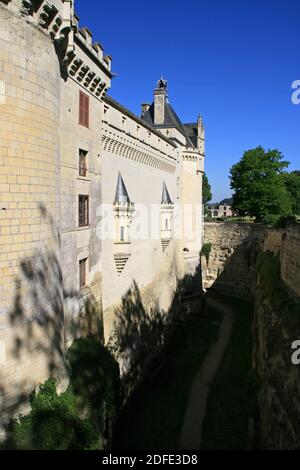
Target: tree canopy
point(260, 185)
point(292, 183)
point(206, 190)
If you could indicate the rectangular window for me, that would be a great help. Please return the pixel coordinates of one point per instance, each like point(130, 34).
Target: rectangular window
point(82, 162)
point(82, 273)
point(84, 109)
point(122, 234)
point(83, 210)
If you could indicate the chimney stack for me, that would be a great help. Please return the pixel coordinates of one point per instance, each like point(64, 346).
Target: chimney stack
point(160, 98)
point(145, 107)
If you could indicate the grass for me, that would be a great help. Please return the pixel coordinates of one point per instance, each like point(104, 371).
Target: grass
point(229, 401)
point(154, 415)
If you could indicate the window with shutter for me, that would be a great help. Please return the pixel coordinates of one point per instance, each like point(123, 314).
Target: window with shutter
point(84, 109)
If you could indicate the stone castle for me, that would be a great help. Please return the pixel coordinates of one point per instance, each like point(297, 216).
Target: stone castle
point(93, 198)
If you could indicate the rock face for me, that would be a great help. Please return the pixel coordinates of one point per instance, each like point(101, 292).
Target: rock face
point(234, 249)
point(276, 325)
point(263, 265)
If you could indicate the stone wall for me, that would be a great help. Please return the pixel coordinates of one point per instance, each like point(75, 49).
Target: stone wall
point(31, 291)
point(231, 266)
point(290, 258)
point(276, 325)
point(40, 241)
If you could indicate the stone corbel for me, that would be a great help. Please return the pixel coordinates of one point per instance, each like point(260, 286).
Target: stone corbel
point(45, 15)
point(83, 70)
point(26, 7)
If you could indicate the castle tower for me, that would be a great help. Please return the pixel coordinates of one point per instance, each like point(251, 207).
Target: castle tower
point(51, 88)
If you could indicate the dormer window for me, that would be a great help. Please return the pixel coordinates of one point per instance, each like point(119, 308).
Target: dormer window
point(167, 209)
point(123, 212)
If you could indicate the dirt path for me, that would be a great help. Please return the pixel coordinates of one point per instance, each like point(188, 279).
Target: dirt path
point(191, 433)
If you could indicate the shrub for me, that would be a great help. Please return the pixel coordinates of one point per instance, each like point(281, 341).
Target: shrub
point(271, 219)
point(77, 418)
point(53, 423)
point(205, 251)
point(282, 222)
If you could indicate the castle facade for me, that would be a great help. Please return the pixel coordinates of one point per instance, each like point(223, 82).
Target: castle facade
point(93, 199)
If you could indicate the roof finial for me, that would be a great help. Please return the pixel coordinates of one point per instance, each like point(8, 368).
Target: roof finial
point(162, 83)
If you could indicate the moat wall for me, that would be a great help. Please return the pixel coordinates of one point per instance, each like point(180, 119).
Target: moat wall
point(276, 325)
point(262, 264)
point(231, 265)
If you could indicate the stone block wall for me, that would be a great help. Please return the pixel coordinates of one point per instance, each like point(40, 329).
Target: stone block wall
point(31, 312)
point(276, 326)
point(231, 265)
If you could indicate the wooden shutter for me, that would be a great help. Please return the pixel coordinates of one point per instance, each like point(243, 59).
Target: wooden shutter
point(84, 109)
point(81, 107)
point(87, 110)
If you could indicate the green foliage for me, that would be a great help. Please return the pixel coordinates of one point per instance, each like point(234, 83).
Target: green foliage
point(292, 184)
point(205, 251)
point(53, 423)
point(258, 184)
point(206, 190)
point(282, 222)
point(77, 418)
point(272, 219)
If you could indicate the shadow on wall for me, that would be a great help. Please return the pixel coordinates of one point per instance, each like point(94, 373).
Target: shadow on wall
point(139, 335)
point(231, 270)
point(36, 331)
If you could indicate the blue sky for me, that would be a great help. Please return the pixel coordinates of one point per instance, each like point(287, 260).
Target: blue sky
point(232, 61)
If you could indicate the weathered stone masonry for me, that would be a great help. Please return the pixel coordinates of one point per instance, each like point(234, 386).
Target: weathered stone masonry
point(276, 325)
point(231, 267)
point(55, 121)
point(42, 56)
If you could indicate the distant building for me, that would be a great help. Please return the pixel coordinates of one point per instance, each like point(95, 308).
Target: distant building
point(220, 209)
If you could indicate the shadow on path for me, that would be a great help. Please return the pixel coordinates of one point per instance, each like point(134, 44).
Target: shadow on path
point(195, 412)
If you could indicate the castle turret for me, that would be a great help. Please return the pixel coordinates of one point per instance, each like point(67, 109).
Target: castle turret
point(200, 136)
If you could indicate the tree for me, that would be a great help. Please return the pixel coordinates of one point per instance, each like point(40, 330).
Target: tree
point(292, 184)
point(258, 184)
point(206, 190)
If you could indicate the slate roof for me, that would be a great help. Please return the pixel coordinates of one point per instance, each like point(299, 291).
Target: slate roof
point(226, 202)
point(171, 120)
point(121, 196)
point(165, 197)
point(192, 133)
point(112, 102)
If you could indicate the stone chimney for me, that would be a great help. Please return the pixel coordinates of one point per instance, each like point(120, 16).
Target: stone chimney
point(160, 98)
point(145, 107)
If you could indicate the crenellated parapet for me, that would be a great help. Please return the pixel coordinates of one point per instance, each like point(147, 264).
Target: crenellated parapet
point(80, 58)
